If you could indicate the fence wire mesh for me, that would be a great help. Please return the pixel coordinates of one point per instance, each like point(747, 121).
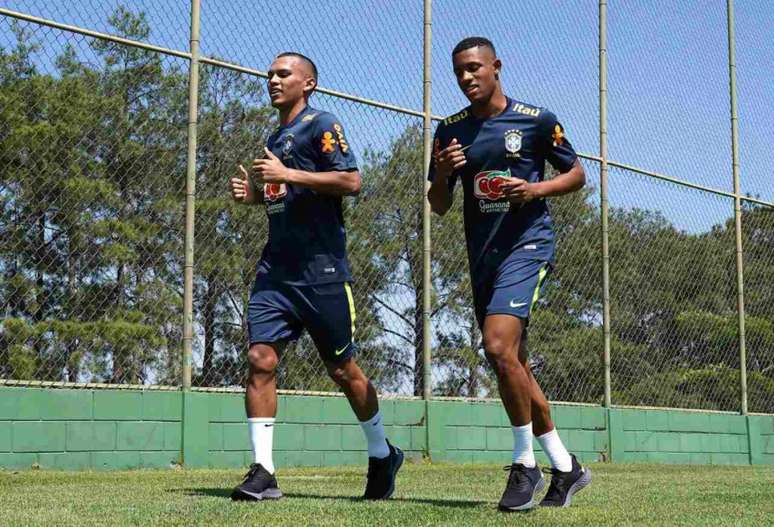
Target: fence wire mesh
point(673, 295)
point(758, 244)
point(670, 113)
point(161, 22)
point(752, 48)
point(93, 157)
point(92, 175)
point(340, 36)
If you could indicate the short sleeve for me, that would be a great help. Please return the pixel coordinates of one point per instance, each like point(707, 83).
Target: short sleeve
point(558, 150)
point(332, 146)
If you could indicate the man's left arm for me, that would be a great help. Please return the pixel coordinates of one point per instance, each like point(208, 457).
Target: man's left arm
point(335, 183)
point(563, 183)
point(335, 171)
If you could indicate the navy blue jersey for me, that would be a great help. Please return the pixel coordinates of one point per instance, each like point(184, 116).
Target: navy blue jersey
point(307, 241)
point(516, 143)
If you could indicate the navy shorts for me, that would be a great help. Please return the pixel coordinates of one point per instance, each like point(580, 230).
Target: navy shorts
point(280, 312)
point(512, 290)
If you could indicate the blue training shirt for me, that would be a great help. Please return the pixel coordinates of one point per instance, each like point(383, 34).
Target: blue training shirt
point(515, 143)
point(307, 239)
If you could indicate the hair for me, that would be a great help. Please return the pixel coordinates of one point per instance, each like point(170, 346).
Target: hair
point(303, 58)
point(472, 42)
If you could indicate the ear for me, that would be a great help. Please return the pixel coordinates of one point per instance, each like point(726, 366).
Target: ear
point(497, 64)
point(309, 86)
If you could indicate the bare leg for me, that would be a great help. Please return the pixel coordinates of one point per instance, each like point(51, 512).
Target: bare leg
point(356, 386)
point(261, 393)
point(502, 338)
point(541, 412)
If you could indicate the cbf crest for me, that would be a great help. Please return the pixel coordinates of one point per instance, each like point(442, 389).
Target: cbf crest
point(513, 143)
point(287, 145)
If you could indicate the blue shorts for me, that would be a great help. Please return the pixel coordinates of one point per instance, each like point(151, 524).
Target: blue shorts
point(512, 290)
point(280, 312)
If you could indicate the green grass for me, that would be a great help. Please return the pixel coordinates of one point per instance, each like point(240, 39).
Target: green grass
point(426, 495)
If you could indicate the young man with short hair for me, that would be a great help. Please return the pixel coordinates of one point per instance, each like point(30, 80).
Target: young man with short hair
point(498, 147)
point(303, 276)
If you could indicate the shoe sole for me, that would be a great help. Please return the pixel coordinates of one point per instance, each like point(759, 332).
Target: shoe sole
point(245, 495)
point(582, 482)
point(531, 503)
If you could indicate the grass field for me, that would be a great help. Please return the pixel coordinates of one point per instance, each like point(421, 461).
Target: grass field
point(426, 495)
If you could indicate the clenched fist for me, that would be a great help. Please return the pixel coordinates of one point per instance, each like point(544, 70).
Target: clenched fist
point(242, 190)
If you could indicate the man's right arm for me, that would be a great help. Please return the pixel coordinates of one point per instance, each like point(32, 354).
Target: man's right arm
point(442, 165)
point(242, 189)
point(439, 195)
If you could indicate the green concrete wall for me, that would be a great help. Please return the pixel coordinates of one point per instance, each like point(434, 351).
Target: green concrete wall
point(121, 429)
point(88, 429)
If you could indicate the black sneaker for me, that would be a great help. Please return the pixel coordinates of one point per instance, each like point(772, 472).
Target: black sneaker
point(565, 484)
point(381, 474)
point(257, 485)
point(523, 484)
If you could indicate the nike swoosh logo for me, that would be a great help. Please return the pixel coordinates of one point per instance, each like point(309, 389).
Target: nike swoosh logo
point(339, 352)
point(521, 304)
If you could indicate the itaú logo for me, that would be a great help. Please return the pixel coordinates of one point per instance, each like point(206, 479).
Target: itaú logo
point(486, 185)
point(274, 191)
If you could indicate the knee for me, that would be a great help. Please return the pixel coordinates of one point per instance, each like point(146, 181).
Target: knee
point(343, 374)
point(339, 375)
point(262, 360)
point(500, 353)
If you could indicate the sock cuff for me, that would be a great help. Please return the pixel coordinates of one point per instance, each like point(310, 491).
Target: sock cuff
point(547, 435)
point(521, 428)
point(375, 419)
point(262, 420)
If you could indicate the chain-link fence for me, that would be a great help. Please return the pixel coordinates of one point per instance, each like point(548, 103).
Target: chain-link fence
point(93, 150)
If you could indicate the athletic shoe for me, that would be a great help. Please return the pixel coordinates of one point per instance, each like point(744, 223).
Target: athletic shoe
point(523, 484)
point(257, 485)
point(565, 484)
point(381, 474)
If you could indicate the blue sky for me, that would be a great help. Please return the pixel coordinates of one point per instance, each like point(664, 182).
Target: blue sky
point(668, 75)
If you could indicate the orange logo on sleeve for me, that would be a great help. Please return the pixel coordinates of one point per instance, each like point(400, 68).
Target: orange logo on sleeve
point(328, 142)
point(558, 135)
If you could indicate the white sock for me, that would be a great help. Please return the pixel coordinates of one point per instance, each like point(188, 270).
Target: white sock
point(261, 437)
point(554, 449)
point(522, 445)
point(374, 432)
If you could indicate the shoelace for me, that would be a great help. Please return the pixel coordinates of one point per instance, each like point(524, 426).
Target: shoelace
point(555, 473)
point(251, 472)
point(557, 477)
point(515, 474)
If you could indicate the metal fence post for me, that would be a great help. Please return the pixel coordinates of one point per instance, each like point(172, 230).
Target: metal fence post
point(603, 192)
point(737, 206)
point(190, 191)
point(426, 242)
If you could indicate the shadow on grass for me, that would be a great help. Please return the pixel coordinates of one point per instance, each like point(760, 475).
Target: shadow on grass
point(226, 494)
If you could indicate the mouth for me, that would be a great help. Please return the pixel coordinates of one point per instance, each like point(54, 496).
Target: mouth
point(470, 90)
point(275, 92)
